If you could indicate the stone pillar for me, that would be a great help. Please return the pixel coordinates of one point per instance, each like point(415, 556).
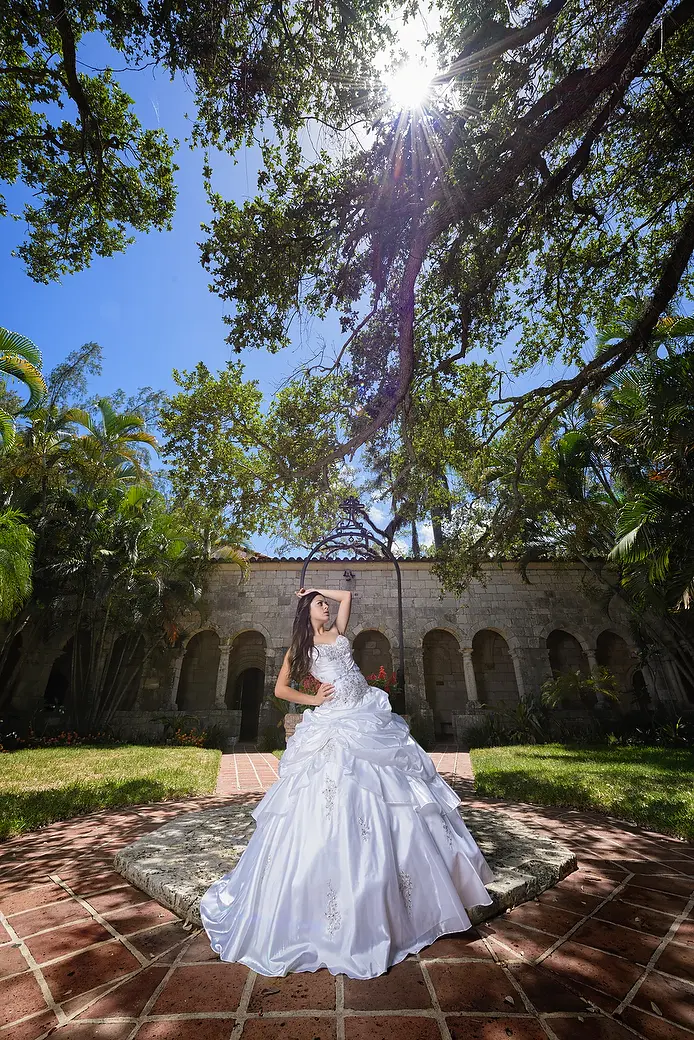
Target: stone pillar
point(518, 670)
point(414, 671)
point(594, 666)
point(415, 693)
point(469, 672)
point(273, 659)
point(415, 688)
point(178, 664)
point(222, 675)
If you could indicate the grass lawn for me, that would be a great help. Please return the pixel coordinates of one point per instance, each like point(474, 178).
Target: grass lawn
point(653, 787)
point(47, 784)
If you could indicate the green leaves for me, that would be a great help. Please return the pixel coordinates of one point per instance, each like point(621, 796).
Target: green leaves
point(235, 457)
point(21, 360)
point(94, 173)
point(16, 558)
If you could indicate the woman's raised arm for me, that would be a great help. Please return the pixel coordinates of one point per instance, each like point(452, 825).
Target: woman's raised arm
point(343, 597)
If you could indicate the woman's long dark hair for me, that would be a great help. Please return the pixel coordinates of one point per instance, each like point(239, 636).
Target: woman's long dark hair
point(302, 639)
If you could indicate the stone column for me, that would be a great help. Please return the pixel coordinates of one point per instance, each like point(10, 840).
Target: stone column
point(265, 717)
point(594, 666)
point(469, 672)
point(178, 664)
point(414, 670)
point(518, 670)
point(415, 691)
point(222, 675)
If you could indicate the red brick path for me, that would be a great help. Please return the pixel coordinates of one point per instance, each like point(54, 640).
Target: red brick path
point(608, 954)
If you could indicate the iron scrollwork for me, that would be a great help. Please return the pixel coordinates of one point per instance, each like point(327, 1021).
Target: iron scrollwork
point(360, 539)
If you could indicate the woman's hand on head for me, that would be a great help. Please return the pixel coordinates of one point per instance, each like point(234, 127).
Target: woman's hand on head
point(304, 592)
point(324, 693)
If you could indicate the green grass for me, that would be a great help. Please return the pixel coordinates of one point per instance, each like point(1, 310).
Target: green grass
point(279, 753)
point(46, 784)
point(653, 787)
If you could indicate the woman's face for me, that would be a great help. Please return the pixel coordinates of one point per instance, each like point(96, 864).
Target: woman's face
point(320, 610)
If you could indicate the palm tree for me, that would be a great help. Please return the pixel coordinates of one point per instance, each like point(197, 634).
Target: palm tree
point(648, 420)
point(114, 442)
point(16, 555)
point(21, 359)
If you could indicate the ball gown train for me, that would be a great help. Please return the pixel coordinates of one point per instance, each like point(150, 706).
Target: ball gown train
point(359, 856)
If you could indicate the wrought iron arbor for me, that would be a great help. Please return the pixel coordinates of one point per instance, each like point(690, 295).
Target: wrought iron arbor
point(352, 536)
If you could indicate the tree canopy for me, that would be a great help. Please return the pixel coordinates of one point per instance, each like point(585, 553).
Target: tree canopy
point(547, 178)
point(552, 177)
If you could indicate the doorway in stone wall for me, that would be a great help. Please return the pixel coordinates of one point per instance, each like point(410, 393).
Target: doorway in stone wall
point(196, 687)
point(246, 680)
point(371, 650)
point(566, 655)
point(613, 653)
point(444, 682)
point(248, 695)
point(494, 671)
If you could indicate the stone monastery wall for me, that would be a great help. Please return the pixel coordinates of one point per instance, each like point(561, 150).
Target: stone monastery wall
point(492, 646)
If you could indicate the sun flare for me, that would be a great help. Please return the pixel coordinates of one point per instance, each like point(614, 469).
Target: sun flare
point(409, 84)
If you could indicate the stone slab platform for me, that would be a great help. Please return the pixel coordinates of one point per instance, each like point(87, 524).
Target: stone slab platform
point(177, 863)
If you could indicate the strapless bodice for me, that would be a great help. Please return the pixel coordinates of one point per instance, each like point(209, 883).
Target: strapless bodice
point(333, 663)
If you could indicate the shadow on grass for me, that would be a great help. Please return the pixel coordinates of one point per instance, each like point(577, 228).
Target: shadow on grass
point(666, 760)
point(25, 811)
point(638, 799)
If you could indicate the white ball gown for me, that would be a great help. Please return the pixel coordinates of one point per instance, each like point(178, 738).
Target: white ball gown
point(359, 856)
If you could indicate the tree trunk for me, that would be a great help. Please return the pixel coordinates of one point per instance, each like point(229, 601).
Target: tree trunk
point(415, 539)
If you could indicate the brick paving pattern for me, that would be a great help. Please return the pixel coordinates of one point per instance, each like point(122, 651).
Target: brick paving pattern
point(608, 954)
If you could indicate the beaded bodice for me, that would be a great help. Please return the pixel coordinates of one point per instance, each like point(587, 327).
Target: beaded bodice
point(333, 663)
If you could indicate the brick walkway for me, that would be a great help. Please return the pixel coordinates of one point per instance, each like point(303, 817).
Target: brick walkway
point(246, 769)
point(608, 954)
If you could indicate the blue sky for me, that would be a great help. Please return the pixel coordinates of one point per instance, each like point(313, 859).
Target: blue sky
point(150, 308)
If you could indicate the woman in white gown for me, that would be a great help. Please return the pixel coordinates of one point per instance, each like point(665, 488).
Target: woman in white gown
point(359, 856)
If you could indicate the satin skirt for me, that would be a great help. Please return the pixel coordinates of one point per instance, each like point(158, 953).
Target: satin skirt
point(359, 857)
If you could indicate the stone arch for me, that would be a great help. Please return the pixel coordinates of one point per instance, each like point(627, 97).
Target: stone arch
point(494, 671)
point(246, 679)
point(198, 682)
point(617, 630)
point(385, 631)
point(371, 649)
point(563, 625)
point(255, 627)
point(567, 656)
point(444, 679)
point(210, 627)
point(613, 652)
point(459, 636)
point(512, 642)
